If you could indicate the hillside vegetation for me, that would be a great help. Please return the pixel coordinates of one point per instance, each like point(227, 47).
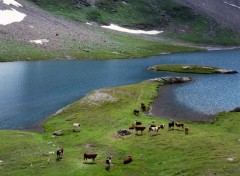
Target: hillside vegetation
point(178, 21)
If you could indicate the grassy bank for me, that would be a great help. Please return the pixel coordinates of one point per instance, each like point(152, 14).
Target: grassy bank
point(208, 149)
point(120, 46)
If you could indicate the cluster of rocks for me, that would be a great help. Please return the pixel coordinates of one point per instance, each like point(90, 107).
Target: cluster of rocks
point(223, 71)
point(171, 79)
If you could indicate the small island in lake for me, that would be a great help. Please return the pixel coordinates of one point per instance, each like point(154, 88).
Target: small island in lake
point(197, 69)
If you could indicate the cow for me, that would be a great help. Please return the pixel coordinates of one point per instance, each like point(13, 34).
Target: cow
point(90, 156)
point(171, 125)
point(132, 127)
point(59, 153)
point(143, 107)
point(136, 112)
point(186, 129)
point(108, 163)
point(76, 127)
point(162, 126)
point(127, 160)
point(139, 128)
point(179, 125)
point(138, 122)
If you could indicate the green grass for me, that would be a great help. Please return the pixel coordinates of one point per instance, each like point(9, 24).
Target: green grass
point(12, 50)
point(204, 151)
point(179, 68)
point(122, 46)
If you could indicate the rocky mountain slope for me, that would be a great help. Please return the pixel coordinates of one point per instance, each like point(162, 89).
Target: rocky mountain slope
point(63, 28)
point(223, 12)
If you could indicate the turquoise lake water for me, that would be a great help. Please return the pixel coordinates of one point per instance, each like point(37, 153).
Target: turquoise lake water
point(32, 91)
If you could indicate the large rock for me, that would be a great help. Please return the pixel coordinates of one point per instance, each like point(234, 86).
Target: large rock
point(171, 79)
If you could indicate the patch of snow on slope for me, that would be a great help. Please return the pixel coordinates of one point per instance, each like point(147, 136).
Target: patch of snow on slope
point(39, 41)
point(121, 29)
point(12, 2)
point(10, 16)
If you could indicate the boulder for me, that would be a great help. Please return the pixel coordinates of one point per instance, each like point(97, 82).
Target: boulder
point(171, 80)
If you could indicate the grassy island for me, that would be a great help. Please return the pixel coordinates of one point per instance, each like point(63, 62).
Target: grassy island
point(195, 69)
point(209, 148)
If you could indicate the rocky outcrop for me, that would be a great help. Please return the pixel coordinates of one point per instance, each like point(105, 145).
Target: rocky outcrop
point(223, 71)
point(84, 3)
point(171, 80)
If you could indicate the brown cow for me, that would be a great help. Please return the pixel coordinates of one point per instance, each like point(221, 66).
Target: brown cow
point(143, 107)
point(90, 156)
point(138, 122)
point(127, 160)
point(136, 112)
point(59, 153)
point(139, 128)
point(186, 129)
point(179, 124)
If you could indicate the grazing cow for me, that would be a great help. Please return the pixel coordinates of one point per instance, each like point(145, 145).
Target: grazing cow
point(90, 156)
point(138, 122)
point(143, 107)
point(153, 129)
point(136, 112)
point(76, 127)
point(139, 128)
point(108, 163)
point(152, 125)
point(127, 160)
point(162, 126)
point(132, 127)
point(179, 124)
point(186, 129)
point(171, 125)
point(59, 153)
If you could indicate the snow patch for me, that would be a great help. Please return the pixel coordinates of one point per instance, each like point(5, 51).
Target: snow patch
point(132, 31)
point(39, 41)
point(10, 16)
point(11, 2)
point(88, 23)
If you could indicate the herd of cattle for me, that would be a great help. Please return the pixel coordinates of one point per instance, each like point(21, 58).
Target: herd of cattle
point(137, 126)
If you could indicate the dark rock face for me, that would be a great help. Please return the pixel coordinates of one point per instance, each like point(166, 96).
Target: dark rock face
point(84, 3)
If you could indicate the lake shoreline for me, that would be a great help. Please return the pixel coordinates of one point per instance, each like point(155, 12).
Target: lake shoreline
point(166, 106)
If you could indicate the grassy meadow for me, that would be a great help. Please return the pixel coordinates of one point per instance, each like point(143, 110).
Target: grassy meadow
point(124, 46)
point(210, 148)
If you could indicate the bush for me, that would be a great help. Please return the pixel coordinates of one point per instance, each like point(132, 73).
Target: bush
point(94, 15)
